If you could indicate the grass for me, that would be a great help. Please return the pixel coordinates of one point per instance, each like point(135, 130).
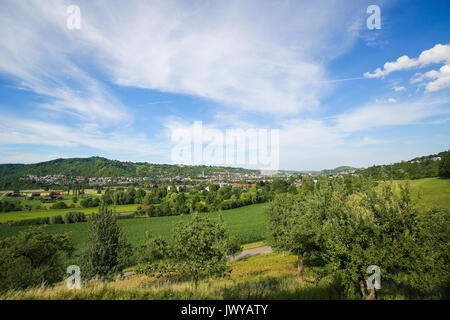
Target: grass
point(267, 276)
point(430, 192)
point(43, 213)
point(253, 245)
point(247, 223)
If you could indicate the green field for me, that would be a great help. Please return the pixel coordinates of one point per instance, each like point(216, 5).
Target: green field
point(433, 192)
point(22, 215)
point(247, 223)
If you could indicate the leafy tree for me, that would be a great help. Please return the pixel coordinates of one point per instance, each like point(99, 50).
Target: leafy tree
point(108, 250)
point(444, 165)
point(202, 245)
point(343, 233)
point(59, 205)
point(32, 258)
point(58, 219)
point(296, 221)
point(199, 250)
point(152, 250)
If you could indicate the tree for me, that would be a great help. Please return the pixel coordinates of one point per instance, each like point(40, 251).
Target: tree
point(295, 221)
point(152, 250)
point(201, 246)
point(108, 250)
point(444, 165)
point(32, 258)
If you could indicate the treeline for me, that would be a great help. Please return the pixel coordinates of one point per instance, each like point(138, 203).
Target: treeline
point(7, 206)
point(67, 218)
point(162, 202)
point(417, 168)
point(338, 231)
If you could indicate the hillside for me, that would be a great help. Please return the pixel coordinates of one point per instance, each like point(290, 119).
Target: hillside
point(417, 168)
point(337, 170)
point(102, 167)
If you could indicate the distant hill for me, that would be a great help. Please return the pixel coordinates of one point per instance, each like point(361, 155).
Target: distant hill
point(417, 168)
point(102, 167)
point(338, 169)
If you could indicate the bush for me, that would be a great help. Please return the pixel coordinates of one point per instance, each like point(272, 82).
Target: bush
point(58, 219)
point(32, 258)
point(90, 202)
point(444, 165)
point(7, 206)
point(59, 205)
point(74, 217)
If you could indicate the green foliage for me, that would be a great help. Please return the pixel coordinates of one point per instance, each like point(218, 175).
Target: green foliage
point(341, 234)
point(7, 206)
point(30, 222)
point(417, 168)
point(97, 167)
point(90, 202)
point(201, 245)
point(444, 165)
point(199, 249)
point(58, 219)
point(108, 250)
point(74, 217)
point(33, 258)
point(151, 250)
point(59, 205)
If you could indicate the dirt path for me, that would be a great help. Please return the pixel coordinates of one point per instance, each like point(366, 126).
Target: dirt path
point(251, 252)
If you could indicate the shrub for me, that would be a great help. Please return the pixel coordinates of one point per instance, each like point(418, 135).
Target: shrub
point(32, 258)
point(58, 219)
point(74, 217)
point(59, 205)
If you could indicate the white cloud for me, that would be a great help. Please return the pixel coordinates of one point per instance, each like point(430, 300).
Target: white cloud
point(393, 100)
point(35, 132)
point(392, 114)
point(233, 52)
point(343, 139)
point(438, 54)
point(38, 52)
point(442, 78)
point(399, 88)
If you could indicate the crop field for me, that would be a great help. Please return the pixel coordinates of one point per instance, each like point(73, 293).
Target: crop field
point(247, 223)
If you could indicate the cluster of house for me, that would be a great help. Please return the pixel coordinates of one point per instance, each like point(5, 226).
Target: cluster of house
point(420, 160)
point(188, 187)
point(49, 178)
point(215, 177)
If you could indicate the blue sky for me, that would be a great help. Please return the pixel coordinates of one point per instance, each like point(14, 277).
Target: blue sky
point(339, 93)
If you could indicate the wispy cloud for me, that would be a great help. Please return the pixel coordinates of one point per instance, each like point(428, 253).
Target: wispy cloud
point(218, 51)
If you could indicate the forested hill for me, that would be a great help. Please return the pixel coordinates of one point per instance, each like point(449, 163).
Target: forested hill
point(102, 167)
point(337, 170)
point(417, 168)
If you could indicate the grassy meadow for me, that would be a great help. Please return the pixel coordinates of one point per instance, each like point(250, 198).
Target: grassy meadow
point(430, 192)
